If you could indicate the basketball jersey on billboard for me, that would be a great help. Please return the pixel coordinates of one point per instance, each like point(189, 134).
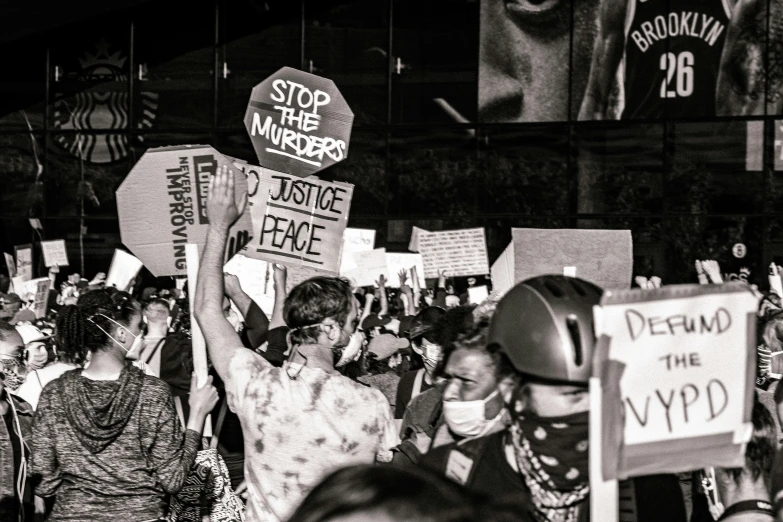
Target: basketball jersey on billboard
point(672, 57)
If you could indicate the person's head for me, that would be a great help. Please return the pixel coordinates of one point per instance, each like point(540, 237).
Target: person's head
point(104, 320)
point(322, 311)
point(391, 494)
point(479, 382)
point(156, 315)
point(11, 356)
point(9, 305)
point(422, 336)
point(544, 326)
point(520, 42)
point(759, 458)
point(37, 354)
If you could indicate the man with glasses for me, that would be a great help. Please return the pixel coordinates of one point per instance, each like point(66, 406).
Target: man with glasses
point(303, 420)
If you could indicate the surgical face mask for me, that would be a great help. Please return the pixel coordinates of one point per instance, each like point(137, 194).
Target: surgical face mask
point(468, 418)
point(432, 354)
point(351, 350)
point(37, 356)
point(138, 340)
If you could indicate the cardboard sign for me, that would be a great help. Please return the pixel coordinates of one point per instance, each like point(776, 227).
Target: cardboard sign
point(54, 253)
point(413, 245)
point(477, 294)
point(355, 240)
point(162, 206)
point(502, 271)
point(255, 277)
point(11, 264)
point(370, 266)
point(41, 299)
point(124, 267)
point(298, 122)
point(458, 252)
point(396, 262)
point(677, 377)
point(24, 261)
point(603, 257)
point(297, 222)
point(298, 274)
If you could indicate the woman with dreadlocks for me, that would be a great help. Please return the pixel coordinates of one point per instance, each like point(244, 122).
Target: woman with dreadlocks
point(106, 439)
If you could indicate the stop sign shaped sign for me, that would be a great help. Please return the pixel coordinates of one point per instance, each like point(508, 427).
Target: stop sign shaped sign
point(162, 206)
point(298, 122)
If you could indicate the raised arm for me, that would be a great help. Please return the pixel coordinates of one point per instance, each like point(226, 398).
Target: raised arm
point(607, 53)
point(222, 340)
point(382, 298)
point(236, 294)
point(280, 275)
point(742, 74)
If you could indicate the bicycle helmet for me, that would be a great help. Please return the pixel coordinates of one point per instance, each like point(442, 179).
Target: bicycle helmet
point(545, 327)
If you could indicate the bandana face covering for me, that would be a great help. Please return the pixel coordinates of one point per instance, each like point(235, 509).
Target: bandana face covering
point(14, 371)
point(552, 456)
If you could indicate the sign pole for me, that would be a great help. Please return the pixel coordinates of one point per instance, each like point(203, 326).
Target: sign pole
point(197, 338)
point(604, 499)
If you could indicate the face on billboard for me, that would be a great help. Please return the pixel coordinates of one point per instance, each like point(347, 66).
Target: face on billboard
point(525, 55)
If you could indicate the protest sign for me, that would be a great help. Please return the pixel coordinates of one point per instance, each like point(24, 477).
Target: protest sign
point(54, 253)
point(603, 257)
point(298, 122)
point(24, 261)
point(502, 271)
point(41, 299)
point(162, 206)
point(458, 252)
point(355, 240)
point(255, 277)
point(677, 376)
point(297, 222)
point(477, 294)
point(396, 262)
point(11, 264)
point(124, 267)
point(413, 245)
point(370, 265)
point(298, 274)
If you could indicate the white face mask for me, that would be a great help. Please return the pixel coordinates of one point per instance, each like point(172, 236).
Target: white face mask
point(467, 418)
point(352, 349)
point(138, 340)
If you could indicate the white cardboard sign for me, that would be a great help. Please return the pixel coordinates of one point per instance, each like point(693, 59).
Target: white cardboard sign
point(688, 373)
point(459, 252)
point(124, 267)
point(404, 261)
point(54, 253)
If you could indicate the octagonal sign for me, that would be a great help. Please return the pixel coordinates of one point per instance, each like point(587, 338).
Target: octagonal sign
point(162, 206)
point(298, 122)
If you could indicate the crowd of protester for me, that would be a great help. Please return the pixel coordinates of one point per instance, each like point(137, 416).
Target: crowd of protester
point(345, 404)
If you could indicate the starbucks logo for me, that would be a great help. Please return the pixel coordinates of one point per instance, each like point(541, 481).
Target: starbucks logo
point(91, 110)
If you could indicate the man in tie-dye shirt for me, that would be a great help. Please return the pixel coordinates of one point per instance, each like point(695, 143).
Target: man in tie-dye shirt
point(304, 420)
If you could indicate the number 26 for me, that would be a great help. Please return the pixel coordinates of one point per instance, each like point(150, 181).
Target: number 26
point(680, 66)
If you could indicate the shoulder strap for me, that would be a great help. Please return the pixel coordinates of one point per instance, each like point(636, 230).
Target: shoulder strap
point(417, 381)
point(154, 350)
point(219, 425)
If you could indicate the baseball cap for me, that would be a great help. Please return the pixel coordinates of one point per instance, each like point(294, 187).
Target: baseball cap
point(386, 345)
point(375, 321)
point(30, 333)
point(9, 299)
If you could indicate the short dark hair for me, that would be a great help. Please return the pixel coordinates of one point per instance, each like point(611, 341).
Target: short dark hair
point(157, 310)
point(82, 327)
point(409, 494)
point(477, 340)
point(314, 300)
